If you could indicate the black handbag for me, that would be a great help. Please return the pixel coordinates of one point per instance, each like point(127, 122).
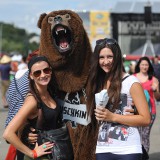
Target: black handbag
point(62, 149)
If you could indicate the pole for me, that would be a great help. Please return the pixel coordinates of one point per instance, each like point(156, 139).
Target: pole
point(148, 42)
point(1, 28)
point(148, 22)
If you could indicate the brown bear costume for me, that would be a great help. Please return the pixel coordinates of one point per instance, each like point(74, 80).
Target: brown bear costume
point(65, 43)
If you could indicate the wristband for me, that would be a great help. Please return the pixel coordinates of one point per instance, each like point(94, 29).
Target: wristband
point(34, 154)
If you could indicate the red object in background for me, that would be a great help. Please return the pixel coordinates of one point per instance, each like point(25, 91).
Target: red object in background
point(14, 66)
point(11, 155)
point(137, 57)
point(30, 55)
point(2, 53)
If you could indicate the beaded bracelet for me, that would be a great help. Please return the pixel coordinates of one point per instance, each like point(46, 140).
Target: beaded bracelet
point(34, 154)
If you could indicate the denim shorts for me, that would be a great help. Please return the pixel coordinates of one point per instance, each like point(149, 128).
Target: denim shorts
point(110, 156)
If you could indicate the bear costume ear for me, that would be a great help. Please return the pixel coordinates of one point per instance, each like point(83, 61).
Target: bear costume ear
point(41, 19)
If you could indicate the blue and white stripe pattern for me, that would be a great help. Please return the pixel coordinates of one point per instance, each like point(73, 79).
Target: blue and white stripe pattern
point(14, 98)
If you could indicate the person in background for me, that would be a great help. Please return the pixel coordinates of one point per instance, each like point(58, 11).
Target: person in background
point(132, 67)
point(145, 74)
point(156, 67)
point(14, 69)
point(22, 68)
point(23, 63)
point(5, 68)
point(122, 139)
point(42, 89)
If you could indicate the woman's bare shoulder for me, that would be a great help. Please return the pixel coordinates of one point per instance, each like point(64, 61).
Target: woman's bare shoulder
point(30, 98)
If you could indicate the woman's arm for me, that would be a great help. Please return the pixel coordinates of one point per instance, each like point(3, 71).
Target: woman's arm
point(142, 119)
point(28, 110)
point(155, 85)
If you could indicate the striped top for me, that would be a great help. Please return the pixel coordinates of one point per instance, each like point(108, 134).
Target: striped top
point(14, 98)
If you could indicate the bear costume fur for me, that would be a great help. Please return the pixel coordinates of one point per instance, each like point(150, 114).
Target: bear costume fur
point(65, 43)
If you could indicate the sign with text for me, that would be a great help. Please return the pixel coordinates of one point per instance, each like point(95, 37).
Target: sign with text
point(137, 27)
point(76, 113)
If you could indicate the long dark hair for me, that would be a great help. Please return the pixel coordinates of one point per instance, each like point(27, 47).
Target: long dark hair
point(52, 86)
point(150, 71)
point(98, 77)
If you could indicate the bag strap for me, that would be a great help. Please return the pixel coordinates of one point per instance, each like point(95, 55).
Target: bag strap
point(84, 94)
point(14, 79)
point(125, 77)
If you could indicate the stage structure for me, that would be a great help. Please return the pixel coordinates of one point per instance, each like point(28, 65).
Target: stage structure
point(136, 26)
point(148, 22)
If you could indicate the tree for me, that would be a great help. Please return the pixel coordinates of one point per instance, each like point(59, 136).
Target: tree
point(16, 39)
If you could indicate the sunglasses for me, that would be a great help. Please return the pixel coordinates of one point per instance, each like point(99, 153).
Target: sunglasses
point(39, 72)
point(108, 41)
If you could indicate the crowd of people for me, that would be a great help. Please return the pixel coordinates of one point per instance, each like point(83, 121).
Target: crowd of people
point(5, 68)
point(122, 126)
point(8, 68)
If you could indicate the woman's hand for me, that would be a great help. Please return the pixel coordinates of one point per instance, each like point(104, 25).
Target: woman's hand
point(32, 136)
point(128, 111)
point(103, 114)
point(155, 84)
point(43, 149)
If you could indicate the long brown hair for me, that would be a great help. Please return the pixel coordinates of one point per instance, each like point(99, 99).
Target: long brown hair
point(150, 71)
point(98, 77)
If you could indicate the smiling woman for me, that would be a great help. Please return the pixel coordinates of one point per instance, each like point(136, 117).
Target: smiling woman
point(145, 73)
point(40, 104)
point(118, 136)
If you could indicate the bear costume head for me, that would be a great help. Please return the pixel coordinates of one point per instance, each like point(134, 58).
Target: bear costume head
point(65, 43)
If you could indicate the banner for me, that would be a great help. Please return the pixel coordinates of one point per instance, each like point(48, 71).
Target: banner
point(99, 25)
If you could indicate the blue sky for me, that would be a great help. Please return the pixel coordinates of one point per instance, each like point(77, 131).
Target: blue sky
point(25, 13)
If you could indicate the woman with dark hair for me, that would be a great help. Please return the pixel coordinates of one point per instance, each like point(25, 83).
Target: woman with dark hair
point(41, 96)
point(145, 73)
point(122, 139)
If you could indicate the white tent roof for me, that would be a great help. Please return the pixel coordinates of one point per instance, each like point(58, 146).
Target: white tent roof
point(135, 6)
